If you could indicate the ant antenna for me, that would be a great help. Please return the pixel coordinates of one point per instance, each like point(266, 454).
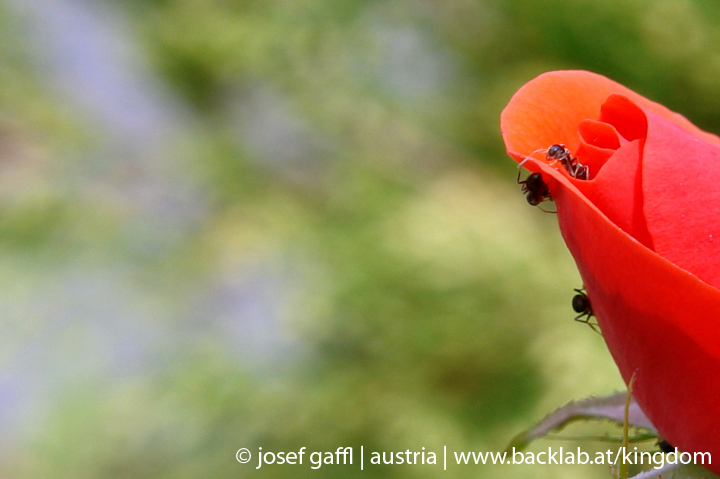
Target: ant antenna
point(530, 156)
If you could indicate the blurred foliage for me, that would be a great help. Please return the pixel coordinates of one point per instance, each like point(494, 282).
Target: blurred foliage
point(321, 244)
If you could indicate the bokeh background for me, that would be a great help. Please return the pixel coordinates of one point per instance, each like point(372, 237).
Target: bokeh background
point(286, 223)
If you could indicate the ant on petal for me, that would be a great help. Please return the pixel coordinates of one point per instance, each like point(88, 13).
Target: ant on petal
point(664, 446)
point(571, 164)
point(581, 304)
point(534, 188)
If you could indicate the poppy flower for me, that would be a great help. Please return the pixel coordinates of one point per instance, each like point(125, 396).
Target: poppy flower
point(644, 230)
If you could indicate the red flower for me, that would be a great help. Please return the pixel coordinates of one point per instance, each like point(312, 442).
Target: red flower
point(644, 230)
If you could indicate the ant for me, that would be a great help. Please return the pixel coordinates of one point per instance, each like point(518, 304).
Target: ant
point(581, 304)
point(665, 446)
point(571, 164)
point(534, 188)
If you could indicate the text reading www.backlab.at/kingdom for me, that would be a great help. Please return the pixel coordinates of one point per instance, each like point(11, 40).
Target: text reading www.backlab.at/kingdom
point(346, 456)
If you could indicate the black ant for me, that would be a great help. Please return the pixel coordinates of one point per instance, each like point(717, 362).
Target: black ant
point(581, 304)
point(664, 446)
point(535, 189)
point(571, 164)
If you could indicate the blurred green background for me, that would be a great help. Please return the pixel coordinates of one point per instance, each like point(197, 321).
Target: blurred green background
point(286, 223)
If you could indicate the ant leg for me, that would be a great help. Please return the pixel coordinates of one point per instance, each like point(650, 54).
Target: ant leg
point(585, 319)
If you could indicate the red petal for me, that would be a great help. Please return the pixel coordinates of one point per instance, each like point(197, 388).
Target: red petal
point(599, 134)
point(682, 198)
point(548, 109)
point(598, 142)
point(658, 321)
point(617, 192)
point(627, 118)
